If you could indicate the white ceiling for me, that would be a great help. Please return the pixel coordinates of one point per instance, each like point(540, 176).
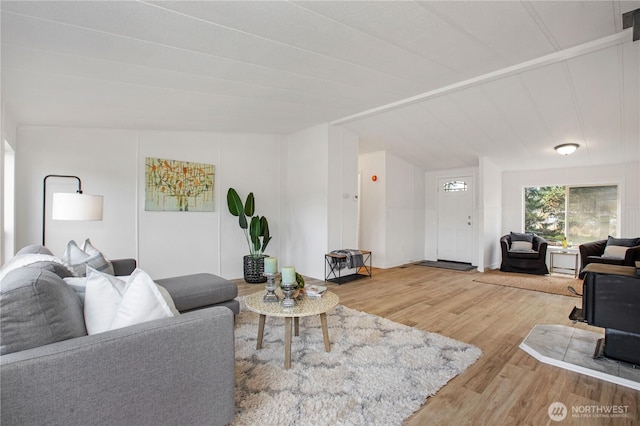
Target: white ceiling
point(439, 84)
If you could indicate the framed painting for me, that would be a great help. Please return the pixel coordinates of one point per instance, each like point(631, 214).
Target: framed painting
point(173, 185)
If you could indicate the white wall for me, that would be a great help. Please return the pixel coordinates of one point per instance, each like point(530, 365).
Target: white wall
point(105, 160)
point(627, 176)
point(209, 241)
point(373, 206)
point(111, 163)
point(7, 234)
point(489, 214)
point(405, 212)
point(305, 192)
point(342, 189)
point(294, 182)
point(392, 209)
point(248, 163)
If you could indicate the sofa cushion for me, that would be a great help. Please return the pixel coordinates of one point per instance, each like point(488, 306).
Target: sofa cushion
point(103, 294)
point(78, 259)
point(198, 290)
point(37, 308)
point(524, 246)
point(42, 261)
point(607, 260)
point(614, 252)
point(34, 249)
point(79, 285)
point(524, 254)
point(116, 302)
point(624, 242)
point(142, 301)
point(516, 236)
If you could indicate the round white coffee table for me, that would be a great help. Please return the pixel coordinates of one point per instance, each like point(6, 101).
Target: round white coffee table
point(308, 306)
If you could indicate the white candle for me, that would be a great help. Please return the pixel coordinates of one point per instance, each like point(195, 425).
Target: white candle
point(270, 265)
point(288, 274)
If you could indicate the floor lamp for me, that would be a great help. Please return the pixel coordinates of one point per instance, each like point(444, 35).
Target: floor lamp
point(70, 206)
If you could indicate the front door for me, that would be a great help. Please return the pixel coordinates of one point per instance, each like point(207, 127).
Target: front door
point(455, 207)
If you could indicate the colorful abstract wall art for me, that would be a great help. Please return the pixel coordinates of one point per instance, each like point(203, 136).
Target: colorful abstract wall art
point(172, 185)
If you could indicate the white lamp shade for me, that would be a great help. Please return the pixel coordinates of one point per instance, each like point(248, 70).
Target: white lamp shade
point(70, 206)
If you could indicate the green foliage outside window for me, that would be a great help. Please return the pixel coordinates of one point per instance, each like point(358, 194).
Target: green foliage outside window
point(545, 211)
point(581, 213)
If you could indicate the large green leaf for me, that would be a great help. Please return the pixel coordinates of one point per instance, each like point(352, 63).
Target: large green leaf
point(255, 232)
point(264, 225)
point(256, 228)
point(232, 196)
point(249, 205)
point(235, 207)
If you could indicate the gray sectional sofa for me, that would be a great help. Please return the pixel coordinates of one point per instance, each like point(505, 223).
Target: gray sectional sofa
point(170, 371)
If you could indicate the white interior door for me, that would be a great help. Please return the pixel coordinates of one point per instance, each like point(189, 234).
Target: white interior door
point(455, 222)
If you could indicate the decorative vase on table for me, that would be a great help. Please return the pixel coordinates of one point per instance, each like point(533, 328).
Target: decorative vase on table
point(254, 269)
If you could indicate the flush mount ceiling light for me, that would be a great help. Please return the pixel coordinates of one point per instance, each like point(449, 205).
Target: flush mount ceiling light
point(566, 148)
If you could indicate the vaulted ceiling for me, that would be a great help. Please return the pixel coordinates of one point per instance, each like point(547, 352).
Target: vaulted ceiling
point(439, 83)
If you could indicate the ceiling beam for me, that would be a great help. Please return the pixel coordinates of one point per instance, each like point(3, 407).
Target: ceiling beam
point(542, 61)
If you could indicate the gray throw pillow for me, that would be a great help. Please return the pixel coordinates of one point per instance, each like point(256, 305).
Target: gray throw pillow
point(58, 269)
point(623, 242)
point(528, 237)
point(37, 308)
point(34, 249)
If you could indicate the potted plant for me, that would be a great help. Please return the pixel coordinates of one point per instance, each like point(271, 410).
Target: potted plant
point(256, 231)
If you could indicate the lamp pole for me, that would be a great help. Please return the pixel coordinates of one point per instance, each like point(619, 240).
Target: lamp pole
point(44, 198)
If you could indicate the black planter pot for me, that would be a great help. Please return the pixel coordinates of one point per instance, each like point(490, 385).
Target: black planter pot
point(254, 269)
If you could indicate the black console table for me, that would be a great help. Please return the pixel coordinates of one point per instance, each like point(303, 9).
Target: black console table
point(333, 271)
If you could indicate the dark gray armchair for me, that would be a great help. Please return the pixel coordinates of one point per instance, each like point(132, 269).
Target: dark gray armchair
point(593, 253)
point(527, 262)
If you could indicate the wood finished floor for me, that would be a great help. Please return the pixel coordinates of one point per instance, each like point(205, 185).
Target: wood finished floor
point(505, 386)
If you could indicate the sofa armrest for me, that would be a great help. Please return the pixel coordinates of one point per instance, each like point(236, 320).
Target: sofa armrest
point(540, 245)
point(595, 248)
point(165, 372)
point(123, 266)
point(505, 243)
point(632, 256)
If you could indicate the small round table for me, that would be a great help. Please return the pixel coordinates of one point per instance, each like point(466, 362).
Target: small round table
point(308, 306)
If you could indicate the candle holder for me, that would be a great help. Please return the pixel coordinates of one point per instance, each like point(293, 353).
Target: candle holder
point(288, 289)
point(271, 286)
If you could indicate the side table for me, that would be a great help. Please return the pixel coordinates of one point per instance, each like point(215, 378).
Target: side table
point(564, 252)
point(308, 306)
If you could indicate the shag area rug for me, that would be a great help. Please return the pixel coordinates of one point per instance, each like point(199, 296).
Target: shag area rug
point(378, 372)
point(544, 283)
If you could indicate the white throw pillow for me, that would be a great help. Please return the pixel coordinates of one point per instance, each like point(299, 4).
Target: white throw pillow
point(116, 302)
point(79, 285)
point(615, 252)
point(142, 301)
point(96, 256)
point(77, 259)
point(521, 246)
point(103, 294)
